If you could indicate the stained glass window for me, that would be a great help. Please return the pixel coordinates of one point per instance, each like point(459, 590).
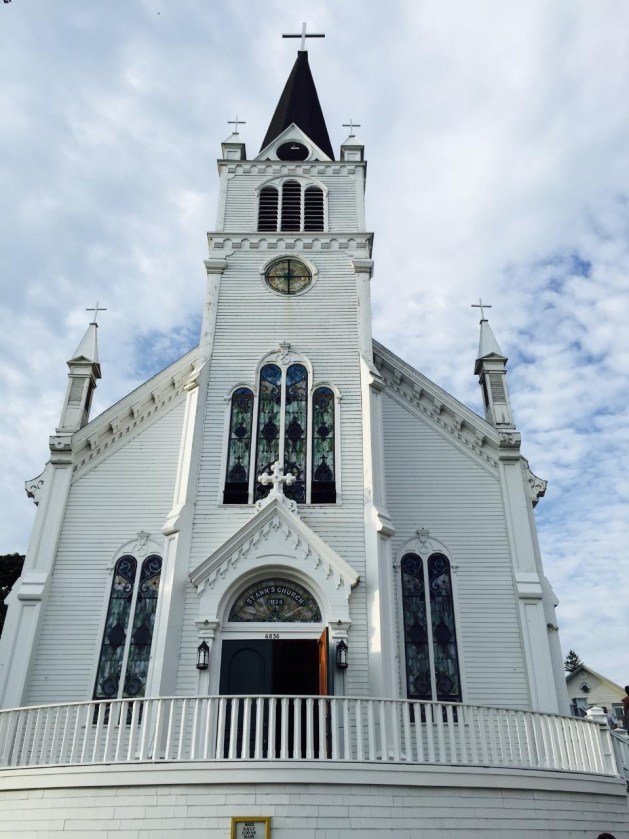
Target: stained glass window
point(427, 591)
point(443, 630)
point(124, 657)
point(276, 600)
point(288, 276)
point(239, 447)
point(323, 478)
point(142, 631)
point(418, 682)
point(116, 626)
point(295, 424)
point(269, 420)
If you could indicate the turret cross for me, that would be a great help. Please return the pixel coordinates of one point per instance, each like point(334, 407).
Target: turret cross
point(482, 306)
point(236, 122)
point(96, 309)
point(351, 125)
point(277, 478)
point(303, 35)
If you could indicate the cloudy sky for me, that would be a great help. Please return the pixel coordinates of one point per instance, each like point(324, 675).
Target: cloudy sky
point(497, 138)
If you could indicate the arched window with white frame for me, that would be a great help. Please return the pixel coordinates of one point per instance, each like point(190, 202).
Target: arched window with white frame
point(128, 632)
point(430, 638)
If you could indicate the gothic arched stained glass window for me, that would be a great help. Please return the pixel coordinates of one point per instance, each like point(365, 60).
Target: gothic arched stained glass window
point(239, 447)
point(432, 662)
point(323, 490)
point(269, 424)
point(128, 634)
point(418, 682)
point(116, 627)
point(295, 425)
point(445, 655)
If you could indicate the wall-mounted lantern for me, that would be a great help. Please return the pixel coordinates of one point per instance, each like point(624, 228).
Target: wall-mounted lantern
point(341, 655)
point(203, 656)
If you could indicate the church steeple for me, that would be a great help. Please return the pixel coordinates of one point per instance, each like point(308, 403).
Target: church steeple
point(491, 369)
point(82, 378)
point(299, 104)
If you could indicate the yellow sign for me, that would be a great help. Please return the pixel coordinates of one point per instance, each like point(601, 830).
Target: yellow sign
point(251, 827)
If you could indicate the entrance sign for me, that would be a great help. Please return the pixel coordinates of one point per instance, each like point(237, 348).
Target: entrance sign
point(276, 600)
point(251, 827)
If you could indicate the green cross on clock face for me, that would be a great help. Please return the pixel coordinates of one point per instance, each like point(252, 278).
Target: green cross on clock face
point(288, 276)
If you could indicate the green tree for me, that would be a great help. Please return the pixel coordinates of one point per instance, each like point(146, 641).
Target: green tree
point(10, 570)
point(572, 662)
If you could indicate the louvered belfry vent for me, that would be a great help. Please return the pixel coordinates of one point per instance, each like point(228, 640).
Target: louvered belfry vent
point(313, 208)
point(267, 208)
point(291, 206)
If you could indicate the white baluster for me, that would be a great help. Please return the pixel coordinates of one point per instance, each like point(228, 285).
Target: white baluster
point(382, 718)
point(347, 754)
point(259, 728)
point(182, 729)
point(359, 730)
point(471, 715)
point(395, 729)
point(246, 728)
point(371, 730)
point(233, 728)
point(430, 732)
point(451, 733)
point(296, 727)
point(220, 734)
point(195, 729)
point(135, 713)
point(272, 747)
point(169, 712)
point(335, 729)
point(408, 742)
point(419, 731)
point(284, 729)
point(322, 749)
point(309, 729)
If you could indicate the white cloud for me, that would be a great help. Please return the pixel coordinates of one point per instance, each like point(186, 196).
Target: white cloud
point(498, 166)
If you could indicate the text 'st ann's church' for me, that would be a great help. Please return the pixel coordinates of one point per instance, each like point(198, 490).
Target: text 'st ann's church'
point(290, 510)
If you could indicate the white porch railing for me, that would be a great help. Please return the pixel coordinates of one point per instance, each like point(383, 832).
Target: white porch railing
point(271, 728)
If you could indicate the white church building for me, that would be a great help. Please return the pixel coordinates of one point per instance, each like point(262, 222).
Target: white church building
point(289, 586)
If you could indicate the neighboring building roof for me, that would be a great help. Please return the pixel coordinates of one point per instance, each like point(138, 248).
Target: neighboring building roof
point(583, 668)
point(299, 104)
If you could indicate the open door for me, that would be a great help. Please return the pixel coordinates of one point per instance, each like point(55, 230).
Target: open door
point(322, 652)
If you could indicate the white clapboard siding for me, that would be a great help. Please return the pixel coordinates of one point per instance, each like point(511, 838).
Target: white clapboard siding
point(241, 207)
point(433, 484)
point(322, 325)
point(129, 491)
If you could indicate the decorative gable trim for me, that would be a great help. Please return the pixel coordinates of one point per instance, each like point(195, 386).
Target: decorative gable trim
point(453, 420)
point(311, 553)
point(124, 420)
point(292, 132)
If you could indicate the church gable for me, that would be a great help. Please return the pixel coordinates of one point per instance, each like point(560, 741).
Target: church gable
point(136, 412)
point(438, 409)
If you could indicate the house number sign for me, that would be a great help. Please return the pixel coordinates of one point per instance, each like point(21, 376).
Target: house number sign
point(251, 827)
point(275, 600)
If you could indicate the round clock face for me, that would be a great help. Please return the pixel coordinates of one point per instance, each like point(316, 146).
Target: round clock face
point(288, 276)
point(292, 151)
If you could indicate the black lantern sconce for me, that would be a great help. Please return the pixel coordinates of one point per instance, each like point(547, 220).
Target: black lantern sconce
point(341, 655)
point(203, 656)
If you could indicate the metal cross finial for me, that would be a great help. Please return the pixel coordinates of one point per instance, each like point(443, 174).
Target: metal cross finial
point(351, 125)
point(96, 309)
point(482, 306)
point(236, 122)
point(303, 35)
point(277, 478)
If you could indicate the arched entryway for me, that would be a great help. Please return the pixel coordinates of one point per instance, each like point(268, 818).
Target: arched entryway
point(274, 640)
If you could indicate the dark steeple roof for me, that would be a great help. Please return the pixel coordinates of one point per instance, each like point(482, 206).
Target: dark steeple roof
point(299, 103)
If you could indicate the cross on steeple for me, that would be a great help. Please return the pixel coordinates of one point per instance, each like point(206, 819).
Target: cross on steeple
point(482, 306)
point(351, 125)
point(277, 478)
point(236, 122)
point(303, 35)
point(96, 309)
